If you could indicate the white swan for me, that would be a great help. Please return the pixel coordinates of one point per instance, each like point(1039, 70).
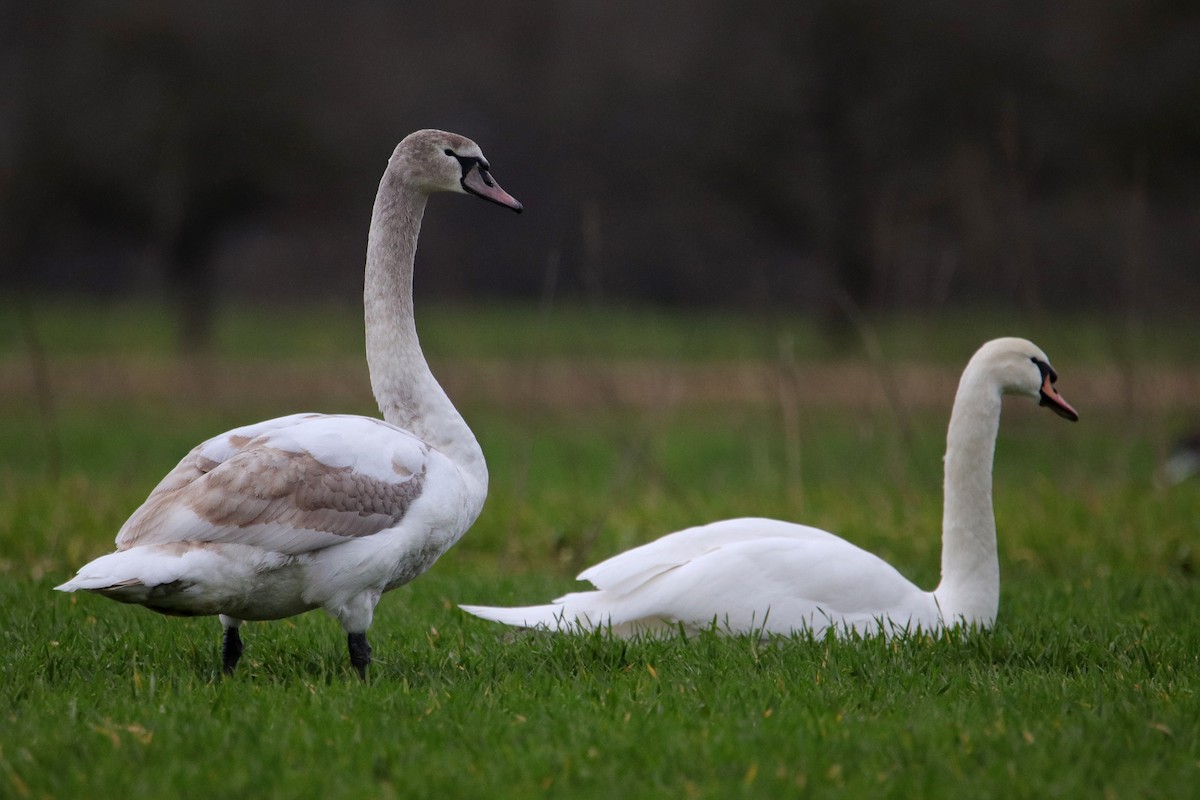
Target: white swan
point(766, 576)
point(315, 510)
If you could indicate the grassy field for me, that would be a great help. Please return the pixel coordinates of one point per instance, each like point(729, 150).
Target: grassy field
point(1086, 687)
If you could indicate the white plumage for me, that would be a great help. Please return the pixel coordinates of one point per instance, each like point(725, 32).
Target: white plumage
point(765, 576)
point(323, 511)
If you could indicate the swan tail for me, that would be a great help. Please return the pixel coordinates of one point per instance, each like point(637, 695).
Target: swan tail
point(120, 576)
point(552, 616)
point(97, 583)
point(110, 572)
point(157, 576)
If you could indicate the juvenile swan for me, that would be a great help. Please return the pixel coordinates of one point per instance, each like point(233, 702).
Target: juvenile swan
point(767, 576)
point(317, 510)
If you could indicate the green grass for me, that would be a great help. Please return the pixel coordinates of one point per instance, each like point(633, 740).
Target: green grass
point(1087, 687)
point(83, 328)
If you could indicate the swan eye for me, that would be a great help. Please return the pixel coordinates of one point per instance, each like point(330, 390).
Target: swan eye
point(466, 162)
point(1045, 369)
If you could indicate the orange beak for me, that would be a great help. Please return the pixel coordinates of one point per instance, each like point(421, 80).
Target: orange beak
point(1055, 401)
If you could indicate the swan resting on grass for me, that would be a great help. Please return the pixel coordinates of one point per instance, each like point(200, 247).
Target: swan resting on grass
point(323, 511)
point(764, 576)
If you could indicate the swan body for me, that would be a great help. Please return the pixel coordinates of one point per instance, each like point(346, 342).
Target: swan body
point(322, 510)
point(764, 576)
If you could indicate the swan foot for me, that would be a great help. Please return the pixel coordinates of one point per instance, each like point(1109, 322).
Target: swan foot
point(231, 649)
point(360, 652)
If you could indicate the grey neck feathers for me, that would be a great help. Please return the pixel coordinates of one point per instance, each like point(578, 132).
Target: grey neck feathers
point(406, 391)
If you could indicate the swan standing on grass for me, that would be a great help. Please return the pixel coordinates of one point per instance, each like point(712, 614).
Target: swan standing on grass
point(314, 510)
point(766, 576)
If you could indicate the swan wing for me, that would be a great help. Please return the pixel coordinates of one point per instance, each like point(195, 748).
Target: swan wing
point(776, 584)
point(640, 564)
point(292, 485)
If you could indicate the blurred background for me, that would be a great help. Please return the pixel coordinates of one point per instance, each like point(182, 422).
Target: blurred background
point(807, 156)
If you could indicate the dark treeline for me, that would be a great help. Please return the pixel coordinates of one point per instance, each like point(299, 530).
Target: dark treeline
point(892, 154)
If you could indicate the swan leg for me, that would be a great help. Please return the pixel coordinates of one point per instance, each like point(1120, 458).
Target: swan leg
point(356, 615)
point(231, 644)
point(360, 652)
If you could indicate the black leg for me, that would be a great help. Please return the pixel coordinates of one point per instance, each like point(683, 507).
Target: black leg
point(231, 650)
point(360, 652)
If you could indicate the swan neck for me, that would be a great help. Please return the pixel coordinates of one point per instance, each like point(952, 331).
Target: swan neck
point(405, 389)
point(970, 588)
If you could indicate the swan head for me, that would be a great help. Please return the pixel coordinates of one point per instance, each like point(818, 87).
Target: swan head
point(1020, 367)
point(438, 161)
